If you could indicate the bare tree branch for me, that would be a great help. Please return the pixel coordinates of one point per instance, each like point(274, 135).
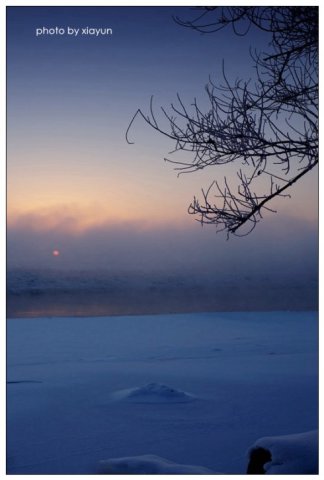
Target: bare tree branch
point(269, 127)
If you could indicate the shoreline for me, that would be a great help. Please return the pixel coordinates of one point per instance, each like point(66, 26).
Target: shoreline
point(27, 316)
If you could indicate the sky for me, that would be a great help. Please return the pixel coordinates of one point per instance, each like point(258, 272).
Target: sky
point(75, 185)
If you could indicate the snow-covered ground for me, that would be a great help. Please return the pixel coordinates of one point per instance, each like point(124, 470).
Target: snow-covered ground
point(86, 394)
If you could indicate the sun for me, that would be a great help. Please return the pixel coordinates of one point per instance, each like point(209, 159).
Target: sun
point(56, 253)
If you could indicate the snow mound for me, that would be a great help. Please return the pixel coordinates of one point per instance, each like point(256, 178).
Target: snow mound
point(153, 393)
point(149, 464)
point(290, 454)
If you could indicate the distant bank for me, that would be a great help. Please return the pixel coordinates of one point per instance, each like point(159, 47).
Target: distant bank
point(159, 296)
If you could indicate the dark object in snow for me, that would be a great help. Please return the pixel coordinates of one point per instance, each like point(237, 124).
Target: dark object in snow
point(258, 457)
point(295, 454)
point(9, 382)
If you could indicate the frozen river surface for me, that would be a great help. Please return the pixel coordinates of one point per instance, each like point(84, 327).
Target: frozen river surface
point(195, 389)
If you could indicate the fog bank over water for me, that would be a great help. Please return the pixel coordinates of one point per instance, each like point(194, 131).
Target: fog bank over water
point(129, 268)
point(280, 245)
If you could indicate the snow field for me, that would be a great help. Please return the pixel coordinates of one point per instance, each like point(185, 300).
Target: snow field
point(192, 389)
